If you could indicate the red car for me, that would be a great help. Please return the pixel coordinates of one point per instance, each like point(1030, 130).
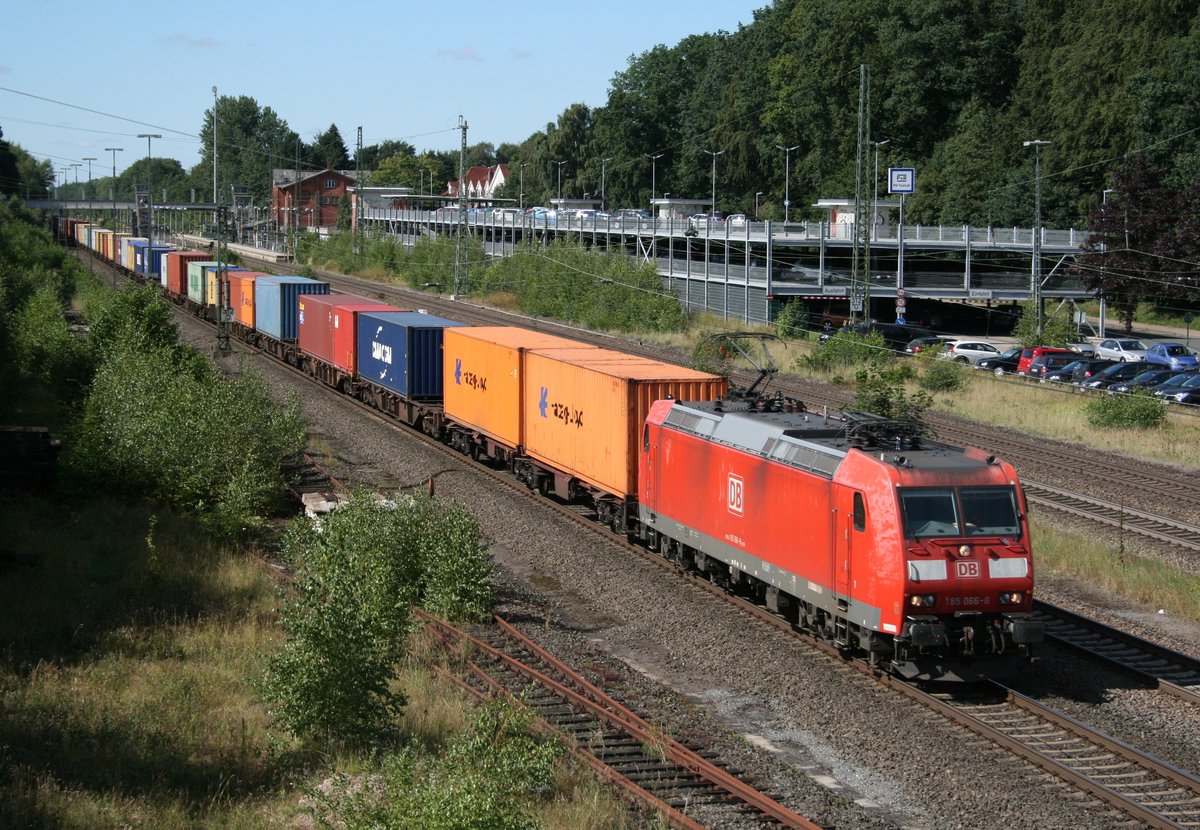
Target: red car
point(1028, 354)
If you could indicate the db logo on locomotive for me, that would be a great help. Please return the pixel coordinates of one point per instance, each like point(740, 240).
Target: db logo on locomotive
point(736, 494)
point(967, 570)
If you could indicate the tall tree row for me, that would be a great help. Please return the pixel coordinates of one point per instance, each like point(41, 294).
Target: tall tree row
point(955, 89)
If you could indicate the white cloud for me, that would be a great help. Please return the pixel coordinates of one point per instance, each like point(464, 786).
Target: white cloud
point(467, 53)
point(178, 39)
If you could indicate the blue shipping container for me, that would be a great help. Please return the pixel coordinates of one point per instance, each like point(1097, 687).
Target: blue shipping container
point(139, 254)
point(158, 262)
point(276, 301)
point(402, 351)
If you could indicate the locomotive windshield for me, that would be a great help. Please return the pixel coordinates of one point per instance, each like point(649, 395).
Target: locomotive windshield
point(967, 511)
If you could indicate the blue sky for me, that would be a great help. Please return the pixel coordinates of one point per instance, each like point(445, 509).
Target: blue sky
point(401, 70)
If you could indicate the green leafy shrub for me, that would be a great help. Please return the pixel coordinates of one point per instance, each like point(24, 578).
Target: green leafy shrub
point(45, 348)
point(876, 394)
point(942, 375)
point(489, 778)
point(358, 572)
point(1137, 410)
point(164, 422)
point(846, 348)
point(792, 322)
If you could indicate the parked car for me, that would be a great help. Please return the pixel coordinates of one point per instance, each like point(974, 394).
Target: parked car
point(1125, 349)
point(630, 214)
point(738, 220)
point(1048, 362)
point(1119, 372)
point(1172, 383)
point(1063, 374)
point(1187, 392)
point(1172, 355)
point(1144, 380)
point(968, 351)
point(896, 335)
point(1085, 368)
point(927, 343)
point(1083, 346)
point(1005, 362)
point(1030, 352)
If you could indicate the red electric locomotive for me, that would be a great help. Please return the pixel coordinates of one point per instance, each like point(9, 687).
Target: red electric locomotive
point(857, 527)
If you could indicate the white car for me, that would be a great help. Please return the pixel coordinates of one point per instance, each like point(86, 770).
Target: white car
point(736, 221)
point(1124, 349)
point(967, 351)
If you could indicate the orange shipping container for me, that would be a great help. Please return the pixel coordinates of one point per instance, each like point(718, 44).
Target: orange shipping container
point(584, 410)
point(241, 295)
point(482, 378)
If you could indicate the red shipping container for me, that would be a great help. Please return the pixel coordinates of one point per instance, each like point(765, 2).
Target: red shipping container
point(327, 327)
point(177, 269)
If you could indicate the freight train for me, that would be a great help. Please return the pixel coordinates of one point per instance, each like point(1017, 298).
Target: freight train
point(911, 554)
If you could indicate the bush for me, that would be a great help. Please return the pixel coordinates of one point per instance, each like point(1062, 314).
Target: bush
point(792, 321)
point(164, 422)
point(358, 572)
point(942, 375)
point(487, 779)
point(847, 348)
point(875, 393)
point(1058, 329)
point(1137, 410)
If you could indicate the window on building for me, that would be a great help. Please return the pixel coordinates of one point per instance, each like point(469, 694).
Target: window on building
point(330, 184)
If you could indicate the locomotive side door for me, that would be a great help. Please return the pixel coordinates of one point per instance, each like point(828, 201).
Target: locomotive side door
point(851, 521)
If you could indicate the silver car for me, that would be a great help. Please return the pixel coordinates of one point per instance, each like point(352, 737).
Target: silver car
point(968, 351)
point(1123, 349)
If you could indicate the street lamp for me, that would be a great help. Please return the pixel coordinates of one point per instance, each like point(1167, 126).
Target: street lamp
point(76, 165)
point(214, 89)
point(114, 151)
point(560, 164)
point(1035, 244)
point(603, 162)
point(150, 179)
point(430, 172)
point(522, 185)
point(421, 186)
point(654, 174)
point(714, 154)
point(89, 160)
point(787, 178)
point(875, 188)
point(756, 195)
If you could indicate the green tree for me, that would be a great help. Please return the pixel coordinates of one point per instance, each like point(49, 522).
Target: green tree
point(10, 175)
point(1119, 260)
point(328, 150)
point(251, 141)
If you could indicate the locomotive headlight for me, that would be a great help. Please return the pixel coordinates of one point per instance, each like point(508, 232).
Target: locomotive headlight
point(922, 600)
point(964, 550)
point(1014, 598)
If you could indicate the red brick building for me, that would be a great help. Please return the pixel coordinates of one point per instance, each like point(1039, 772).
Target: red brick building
point(313, 203)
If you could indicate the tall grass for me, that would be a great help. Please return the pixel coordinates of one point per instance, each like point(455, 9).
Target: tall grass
point(128, 646)
point(1146, 581)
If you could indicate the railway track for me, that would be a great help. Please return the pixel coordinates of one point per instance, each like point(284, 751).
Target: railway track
point(651, 768)
point(1173, 673)
point(1142, 787)
point(1181, 489)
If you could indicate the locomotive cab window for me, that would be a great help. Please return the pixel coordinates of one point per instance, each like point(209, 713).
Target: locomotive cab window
point(990, 511)
point(645, 438)
point(969, 511)
point(860, 512)
point(929, 511)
